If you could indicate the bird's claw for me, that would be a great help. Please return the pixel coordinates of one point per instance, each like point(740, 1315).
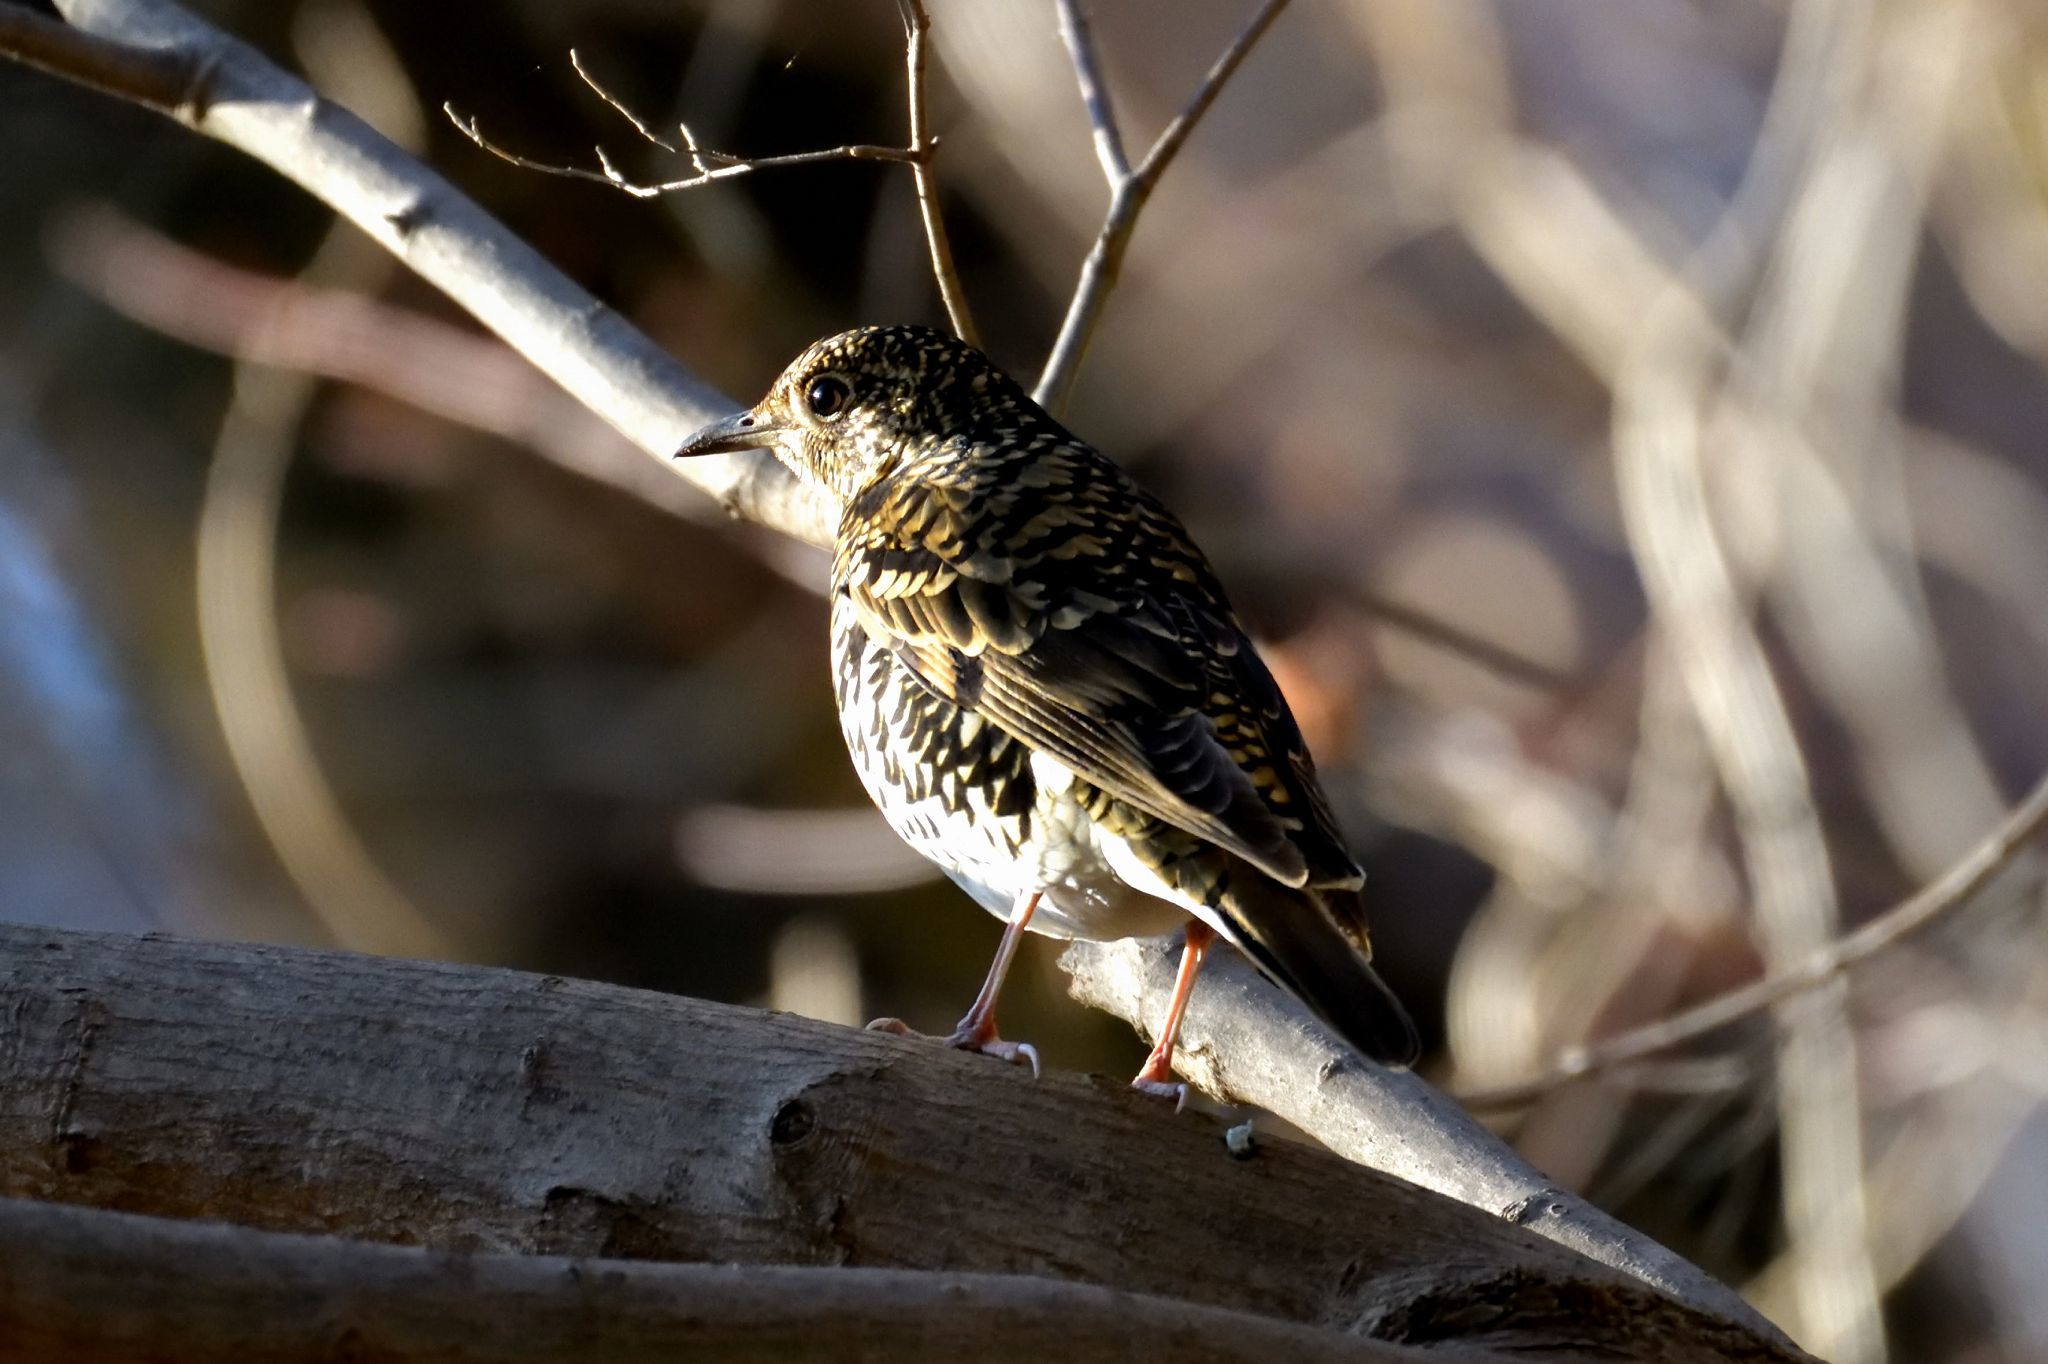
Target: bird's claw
point(968, 1039)
point(1175, 1090)
point(998, 1047)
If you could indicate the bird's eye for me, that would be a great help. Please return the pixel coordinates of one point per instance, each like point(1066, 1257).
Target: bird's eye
point(828, 395)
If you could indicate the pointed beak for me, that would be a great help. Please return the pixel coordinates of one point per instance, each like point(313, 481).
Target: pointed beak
point(747, 430)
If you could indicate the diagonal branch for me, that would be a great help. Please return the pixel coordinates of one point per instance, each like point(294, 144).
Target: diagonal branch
point(1954, 890)
point(1246, 1042)
point(237, 96)
point(1128, 192)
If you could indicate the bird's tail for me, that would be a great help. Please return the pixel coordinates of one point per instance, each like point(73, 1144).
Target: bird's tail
point(1306, 946)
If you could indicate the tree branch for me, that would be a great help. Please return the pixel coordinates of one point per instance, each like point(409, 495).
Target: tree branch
point(1953, 890)
point(241, 99)
point(708, 165)
point(923, 151)
point(1079, 37)
point(478, 1109)
point(1246, 1042)
point(1128, 193)
point(727, 167)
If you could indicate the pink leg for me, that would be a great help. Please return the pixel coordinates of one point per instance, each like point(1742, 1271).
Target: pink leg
point(976, 1030)
point(1157, 1076)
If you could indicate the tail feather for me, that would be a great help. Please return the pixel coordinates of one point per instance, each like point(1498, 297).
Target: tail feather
point(1298, 944)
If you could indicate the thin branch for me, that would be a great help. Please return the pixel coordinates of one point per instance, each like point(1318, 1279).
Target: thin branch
point(1127, 198)
point(1175, 133)
point(923, 146)
point(625, 111)
point(1079, 37)
point(701, 160)
point(728, 167)
point(1947, 894)
point(710, 166)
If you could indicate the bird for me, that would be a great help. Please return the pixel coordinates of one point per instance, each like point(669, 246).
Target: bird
point(1044, 689)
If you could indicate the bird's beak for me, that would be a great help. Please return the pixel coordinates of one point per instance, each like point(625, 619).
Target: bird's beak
point(747, 430)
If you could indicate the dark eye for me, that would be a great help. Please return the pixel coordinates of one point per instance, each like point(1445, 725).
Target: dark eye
point(828, 395)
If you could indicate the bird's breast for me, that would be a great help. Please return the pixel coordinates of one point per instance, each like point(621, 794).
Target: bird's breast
point(971, 798)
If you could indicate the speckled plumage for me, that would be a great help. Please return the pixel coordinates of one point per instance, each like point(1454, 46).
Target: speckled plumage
point(1041, 682)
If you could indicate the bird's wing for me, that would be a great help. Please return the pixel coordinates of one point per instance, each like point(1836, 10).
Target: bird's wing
point(1050, 595)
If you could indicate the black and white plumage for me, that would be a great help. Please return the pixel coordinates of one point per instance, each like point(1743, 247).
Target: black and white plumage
point(1043, 685)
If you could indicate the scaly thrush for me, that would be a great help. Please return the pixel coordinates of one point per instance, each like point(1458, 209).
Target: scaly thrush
point(1046, 692)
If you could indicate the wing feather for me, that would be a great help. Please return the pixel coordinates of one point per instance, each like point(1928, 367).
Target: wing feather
point(1086, 625)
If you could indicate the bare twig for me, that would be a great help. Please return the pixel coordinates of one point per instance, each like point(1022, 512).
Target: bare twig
point(728, 167)
point(710, 166)
point(625, 111)
point(923, 147)
point(1080, 41)
point(702, 160)
point(1127, 198)
point(1952, 891)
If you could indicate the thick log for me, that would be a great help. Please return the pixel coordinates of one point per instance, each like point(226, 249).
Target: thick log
point(465, 1108)
point(115, 1288)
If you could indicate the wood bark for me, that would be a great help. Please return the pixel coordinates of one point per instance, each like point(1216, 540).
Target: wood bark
point(485, 1111)
point(115, 1288)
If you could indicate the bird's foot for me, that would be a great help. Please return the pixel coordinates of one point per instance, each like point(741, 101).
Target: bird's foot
point(1175, 1090)
point(1014, 1052)
point(970, 1036)
point(1157, 1080)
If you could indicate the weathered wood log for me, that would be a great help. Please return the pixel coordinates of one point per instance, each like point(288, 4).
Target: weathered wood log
point(114, 1288)
point(465, 1108)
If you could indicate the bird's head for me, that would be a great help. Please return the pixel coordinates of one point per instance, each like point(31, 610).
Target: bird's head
point(856, 406)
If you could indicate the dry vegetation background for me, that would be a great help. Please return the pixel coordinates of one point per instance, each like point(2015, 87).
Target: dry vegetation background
point(1623, 420)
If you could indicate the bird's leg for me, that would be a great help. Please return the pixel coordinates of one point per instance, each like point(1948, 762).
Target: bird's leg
point(976, 1030)
point(1157, 1076)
